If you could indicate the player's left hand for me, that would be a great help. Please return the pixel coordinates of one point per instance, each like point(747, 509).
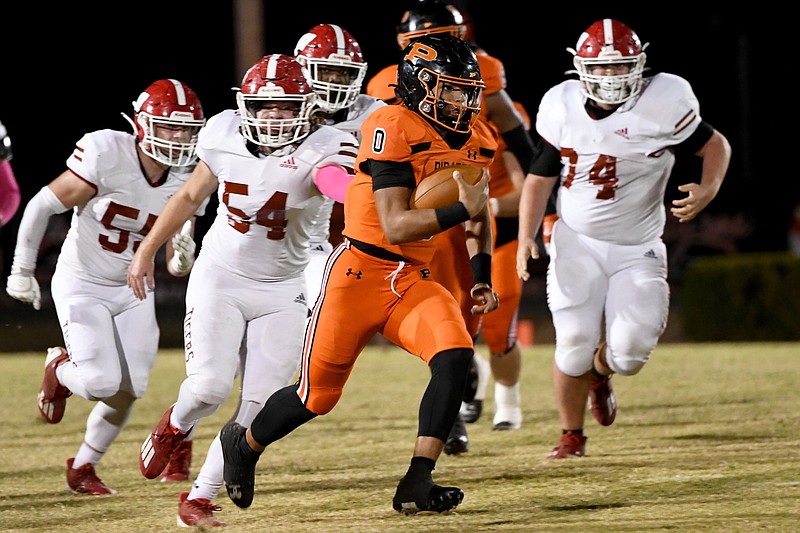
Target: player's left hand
point(489, 301)
point(685, 209)
point(141, 274)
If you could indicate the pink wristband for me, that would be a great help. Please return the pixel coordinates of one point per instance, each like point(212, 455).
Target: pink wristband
point(9, 193)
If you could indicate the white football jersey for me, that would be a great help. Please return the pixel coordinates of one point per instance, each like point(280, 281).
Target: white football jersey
point(267, 204)
point(616, 169)
point(103, 233)
point(356, 113)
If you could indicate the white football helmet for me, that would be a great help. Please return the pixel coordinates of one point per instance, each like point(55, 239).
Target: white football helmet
point(328, 46)
point(609, 42)
point(275, 78)
point(169, 103)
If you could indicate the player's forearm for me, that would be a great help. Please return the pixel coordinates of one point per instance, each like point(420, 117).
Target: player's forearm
point(479, 234)
point(532, 204)
point(716, 154)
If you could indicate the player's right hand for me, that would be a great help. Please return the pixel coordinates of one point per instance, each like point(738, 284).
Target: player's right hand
point(526, 249)
point(24, 287)
point(474, 197)
point(141, 275)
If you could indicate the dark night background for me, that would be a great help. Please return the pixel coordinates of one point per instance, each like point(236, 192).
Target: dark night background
point(66, 71)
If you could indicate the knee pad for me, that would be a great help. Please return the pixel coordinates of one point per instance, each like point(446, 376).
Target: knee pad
point(629, 358)
point(575, 360)
point(575, 350)
point(101, 386)
point(452, 363)
point(209, 389)
point(629, 347)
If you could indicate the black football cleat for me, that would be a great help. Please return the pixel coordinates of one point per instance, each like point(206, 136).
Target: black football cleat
point(415, 496)
point(239, 471)
point(457, 441)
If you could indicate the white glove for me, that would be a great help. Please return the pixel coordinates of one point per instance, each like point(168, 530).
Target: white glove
point(184, 247)
point(24, 287)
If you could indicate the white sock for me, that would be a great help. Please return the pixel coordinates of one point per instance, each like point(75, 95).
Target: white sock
point(209, 480)
point(507, 396)
point(484, 373)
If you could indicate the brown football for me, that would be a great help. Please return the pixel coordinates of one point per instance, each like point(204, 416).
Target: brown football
point(439, 189)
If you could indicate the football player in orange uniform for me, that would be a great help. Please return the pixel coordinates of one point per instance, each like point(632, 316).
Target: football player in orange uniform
point(381, 277)
point(497, 108)
point(499, 330)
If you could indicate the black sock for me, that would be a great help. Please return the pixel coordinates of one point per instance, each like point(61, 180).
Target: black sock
point(575, 431)
point(421, 467)
point(248, 452)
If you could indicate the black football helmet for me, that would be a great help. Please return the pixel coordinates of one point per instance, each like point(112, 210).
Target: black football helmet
point(430, 16)
point(439, 78)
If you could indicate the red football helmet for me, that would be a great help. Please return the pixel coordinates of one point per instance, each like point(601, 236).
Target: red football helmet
point(430, 16)
point(325, 49)
point(609, 43)
point(169, 104)
point(275, 78)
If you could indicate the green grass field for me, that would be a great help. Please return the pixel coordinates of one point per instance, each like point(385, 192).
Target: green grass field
point(707, 439)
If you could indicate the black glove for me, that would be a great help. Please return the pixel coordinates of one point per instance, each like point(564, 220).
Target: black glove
point(5, 144)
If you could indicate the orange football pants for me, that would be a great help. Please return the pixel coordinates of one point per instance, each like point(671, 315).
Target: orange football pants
point(451, 267)
point(499, 328)
point(362, 295)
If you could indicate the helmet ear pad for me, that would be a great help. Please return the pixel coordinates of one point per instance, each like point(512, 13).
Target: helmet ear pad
point(142, 124)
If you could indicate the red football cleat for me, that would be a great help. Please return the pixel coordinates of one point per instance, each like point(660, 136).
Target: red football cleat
point(178, 467)
point(83, 480)
point(603, 399)
point(198, 512)
point(570, 445)
point(53, 395)
point(158, 447)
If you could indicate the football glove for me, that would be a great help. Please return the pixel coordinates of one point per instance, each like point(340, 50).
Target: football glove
point(184, 246)
point(23, 286)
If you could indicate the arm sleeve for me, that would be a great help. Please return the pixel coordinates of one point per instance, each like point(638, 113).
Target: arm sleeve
point(9, 193)
point(520, 144)
point(390, 174)
point(33, 225)
point(698, 139)
point(547, 161)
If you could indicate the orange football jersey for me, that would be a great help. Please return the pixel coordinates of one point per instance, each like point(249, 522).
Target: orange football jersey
point(395, 133)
